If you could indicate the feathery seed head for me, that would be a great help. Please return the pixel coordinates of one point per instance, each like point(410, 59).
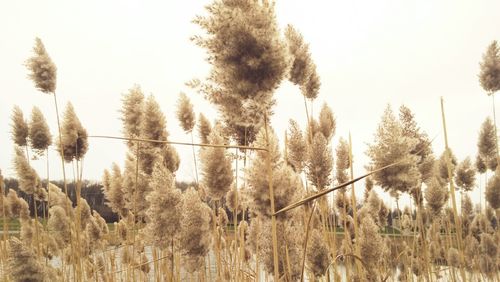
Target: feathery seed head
point(195, 230)
point(216, 168)
point(453, 257)
point(435, 195)
point(480, 164)
point(465, 177)
point(320, 162)
point(297, 147)
point(249, 60)
point(492, 193)
point(232, 199)
point(23, 264)
point(327, 122)
point(20, 128)
point(204, 128)
point(391, 146)
point(343, 161)
point(302, 65)
point(132, 113)
point(443, 165)
point(318, 254)
point(311, 87)
point(42, 69)
point(39, 133)
point(488, 245)
point(185, 113)
point(487, 149)
point(17, 207)
point(28, 178)
point(489, 76)
point(74, 141)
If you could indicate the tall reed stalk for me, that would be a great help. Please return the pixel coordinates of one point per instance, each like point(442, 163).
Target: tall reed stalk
point(271, 196)
point(457, 222)
point(194, 159)
point(354, 208)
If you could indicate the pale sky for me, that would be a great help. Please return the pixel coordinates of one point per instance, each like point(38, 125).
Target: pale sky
point(368, 53)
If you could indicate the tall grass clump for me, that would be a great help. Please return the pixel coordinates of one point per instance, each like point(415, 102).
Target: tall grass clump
point(285, 216)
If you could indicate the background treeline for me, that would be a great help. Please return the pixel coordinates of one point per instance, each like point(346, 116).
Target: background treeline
point(91, 192)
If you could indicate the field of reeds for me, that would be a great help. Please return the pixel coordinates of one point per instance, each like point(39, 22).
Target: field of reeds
point(258, 210)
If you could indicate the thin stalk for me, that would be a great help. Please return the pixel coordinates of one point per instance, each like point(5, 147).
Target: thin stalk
point(329, 190)
point(271, 196)
point(209, 267)
point(48, 189)
point(424, 242)
point(217, 244)
point(178, 143)
point(61, 150)
point(37, 237)
point(308, 120)
point(5, 228)
point(60, 145)
point(172, 258)
point(78, 219)
point(194, 158)
point(136, 184)
point(312, 106)
point(450, 245)
point(306, 239)
point(242, 248)
point(346, 238)
point(5, 234)
point(354, 208)
point(453, 200)
point(495, 123)
point(334, 232)
point(288, 267)
point(257, 270)
point(235, 215)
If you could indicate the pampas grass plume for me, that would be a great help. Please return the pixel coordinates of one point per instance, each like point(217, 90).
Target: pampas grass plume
point(132, 113)
point(317, 254)
point(42, 69)
point(23, 264)
point(74, 141)
point(195, 230)
point(185, 113)
point(28, 178)
point(492, 193)
point(465, 177)
point(327, 122)
point(216, 168)
point(204, 128)
point(486, 147)
point(320, 162)
point(20, 128)
point(489, 75)
point(164, 213)
point(39, 133)
point(297, 147)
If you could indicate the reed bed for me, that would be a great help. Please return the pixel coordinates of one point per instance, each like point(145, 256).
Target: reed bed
point(257, 211)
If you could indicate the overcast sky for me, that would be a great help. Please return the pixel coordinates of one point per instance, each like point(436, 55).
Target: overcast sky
point(368, 53)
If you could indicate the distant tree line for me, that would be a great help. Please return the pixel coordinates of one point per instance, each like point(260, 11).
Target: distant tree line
point(91, 192)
